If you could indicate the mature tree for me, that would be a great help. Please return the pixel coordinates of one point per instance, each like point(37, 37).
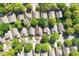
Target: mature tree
point(44, 7)
point(16, 45)
point(43, 22)
point(52, 6)
point(28, 47)
point(45, 38)
point(19, 7)
point(10, 7)
point(68, 22)
point(67, 14)
point(28, 6)
point(59, 44)
point(34, 22)
point(2, 4)
point(3, 28)
point(1, 47)
point(10, 52)
point(37, 8)
point(52, 21)
point(2, 10)
point(38, 48)
point(44, 47)
point(74, 7)
point(62, 6)
point(54, 37)
point(18, 24)
point(68, 42)
point(75, 14)
point(76, 21)
point(74, 53)
point(76, 27)
point(70, 31)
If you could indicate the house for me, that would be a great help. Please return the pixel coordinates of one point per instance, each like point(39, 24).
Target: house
point(4, 19)
point(24, 32)
point(66, 50)
point(28, 15)
point(54, 29)
point(72, 48)
point(51, 13)
point(35, 14)
point(47, 31)
point(1, 39)
point(11, 18)
point(15, 33)
point(8, 35)
point(26, 22)
point(44, 15)
point(61, 28)
point(58, 51)
point(38, 31)
point(34, 6)
point(58, 14)
point(20, 17)
point(31, 31)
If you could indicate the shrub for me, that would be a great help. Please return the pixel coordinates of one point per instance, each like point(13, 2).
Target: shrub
point(10, 52)
point(74, 53)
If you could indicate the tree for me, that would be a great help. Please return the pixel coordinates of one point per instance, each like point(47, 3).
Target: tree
point(52, 21)
point(68, 42)
point(54, 37)
point(2, 10)
point(76, 21)
point(75, 14)
point(10, 7)
point(74, 53)
point(19, 7)
point(68, 22)
point(76, 27)
point(70, 31)
point(45, 39)
point(28, 6)
point(62, 6)
point(43, 22)
point(16, 45)
point(1, 47)
point(10, 52)
point(67, 14)
point(34, 22)
point(52, 6)
point(18, 24)
point(44, 7)
point(59, 44)
point(44, 47)
point(74, 7)
point(38, 48)
point(28, 47)
point(3, 28)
